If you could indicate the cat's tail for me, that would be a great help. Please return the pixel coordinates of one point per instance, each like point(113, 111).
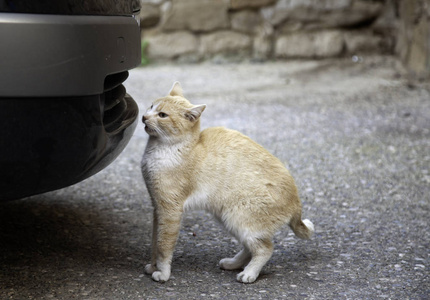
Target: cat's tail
point(302, 229)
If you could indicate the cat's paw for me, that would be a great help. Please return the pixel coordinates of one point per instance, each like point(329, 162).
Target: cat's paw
point(160, 277)
point(149, 269)
point(246, 277)
point(229, 264)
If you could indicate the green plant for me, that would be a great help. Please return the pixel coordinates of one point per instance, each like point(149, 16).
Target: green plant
point(145, 60)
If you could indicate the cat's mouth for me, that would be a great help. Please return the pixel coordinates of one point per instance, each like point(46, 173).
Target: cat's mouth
point(149, 130)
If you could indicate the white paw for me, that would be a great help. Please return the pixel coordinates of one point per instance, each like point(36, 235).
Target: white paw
point(309, 225)
point(160, 277)
point(246, 277)
point(227, 264)
point(149, 269)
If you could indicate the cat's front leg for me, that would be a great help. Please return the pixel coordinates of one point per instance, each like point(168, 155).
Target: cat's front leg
point(168, 225)
point(152, 267)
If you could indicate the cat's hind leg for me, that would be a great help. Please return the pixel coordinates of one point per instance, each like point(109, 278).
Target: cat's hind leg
point(261, 251)
point(236, 262)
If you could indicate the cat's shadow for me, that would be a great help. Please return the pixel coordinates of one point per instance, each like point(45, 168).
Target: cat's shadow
point(41, 235)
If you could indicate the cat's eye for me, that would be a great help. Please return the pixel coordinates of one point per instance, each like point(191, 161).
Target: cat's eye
point(163, 115)
point(152, 106)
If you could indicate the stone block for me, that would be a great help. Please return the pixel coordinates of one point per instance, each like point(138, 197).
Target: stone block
point(320, 44)
point(263, 42)
point(359, 13)
point(245, 21)
point(224, 42)
point(196, 15)
point(170, 45)
point(357, 42)
point(323, 13)
point(240, 4)
point(149, 15)
point(413, 41)
point(155, 2)
point(302, 10)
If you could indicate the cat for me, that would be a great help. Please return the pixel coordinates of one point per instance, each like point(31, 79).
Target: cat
point(219, 170)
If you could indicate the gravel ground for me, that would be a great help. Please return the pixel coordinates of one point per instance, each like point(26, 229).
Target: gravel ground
point(356, 137)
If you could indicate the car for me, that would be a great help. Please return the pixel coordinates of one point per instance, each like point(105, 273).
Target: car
point(64, 112)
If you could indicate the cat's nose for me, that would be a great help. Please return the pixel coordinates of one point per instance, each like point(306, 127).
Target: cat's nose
point(143, 119)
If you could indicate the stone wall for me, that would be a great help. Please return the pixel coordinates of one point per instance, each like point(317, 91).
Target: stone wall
point(194, 30)
point(413, 44)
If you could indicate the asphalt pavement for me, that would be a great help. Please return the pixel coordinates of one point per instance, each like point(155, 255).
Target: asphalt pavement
point(355, 134)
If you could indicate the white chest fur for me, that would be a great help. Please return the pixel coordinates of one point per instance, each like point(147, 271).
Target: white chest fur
point(161, 157)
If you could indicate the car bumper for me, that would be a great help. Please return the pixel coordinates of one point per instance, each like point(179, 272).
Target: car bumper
point(59, 55)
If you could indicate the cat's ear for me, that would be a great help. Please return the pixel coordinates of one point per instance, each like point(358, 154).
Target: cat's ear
point(194, 113)
point(176, 90)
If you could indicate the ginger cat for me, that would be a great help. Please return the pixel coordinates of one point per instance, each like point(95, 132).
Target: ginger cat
point(219, 170)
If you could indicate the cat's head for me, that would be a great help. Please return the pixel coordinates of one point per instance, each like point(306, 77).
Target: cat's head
point(172, 116)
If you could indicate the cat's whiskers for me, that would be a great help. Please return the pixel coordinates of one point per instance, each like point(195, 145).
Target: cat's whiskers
point(162, 134)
